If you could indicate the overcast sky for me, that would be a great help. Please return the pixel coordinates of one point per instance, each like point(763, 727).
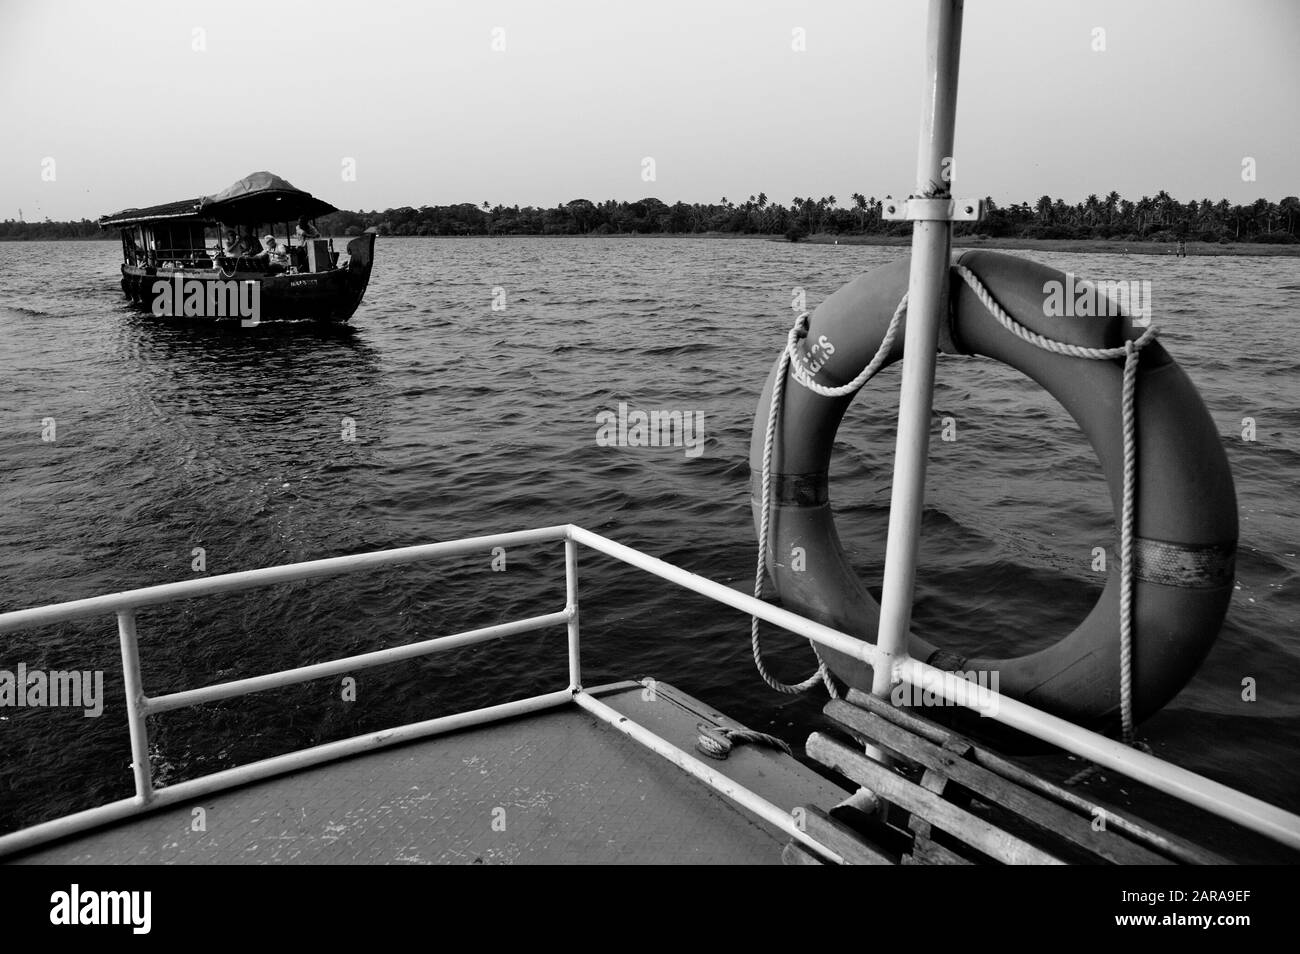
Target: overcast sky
point(132, 113)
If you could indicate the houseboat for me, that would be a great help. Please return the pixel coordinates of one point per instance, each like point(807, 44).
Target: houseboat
point(249, 252)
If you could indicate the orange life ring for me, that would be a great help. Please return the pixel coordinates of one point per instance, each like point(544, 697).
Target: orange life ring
point(1185, 508)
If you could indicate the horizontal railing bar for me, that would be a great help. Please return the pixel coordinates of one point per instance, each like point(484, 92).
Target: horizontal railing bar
point(27, 838)
point(268, 576)
point(287, 677)
point(742, 796)
point(1214, 797)
point(825, 635)
point(267, 768)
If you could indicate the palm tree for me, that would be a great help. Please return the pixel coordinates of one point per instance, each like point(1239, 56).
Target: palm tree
point(1205, 215)
point(1163, 201)
point(1143, 210)
point(1091, 209)
point(1262, 211)
point(1044, 208)
point(1290, 207)
point(1238, 213)
point(859, 203)
point(1112, 202)
point(1222, 212)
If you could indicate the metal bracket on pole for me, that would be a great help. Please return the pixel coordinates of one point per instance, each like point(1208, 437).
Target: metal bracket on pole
point(944, 209)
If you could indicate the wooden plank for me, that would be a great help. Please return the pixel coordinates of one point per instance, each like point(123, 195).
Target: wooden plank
point(841, 839)
point(926, 852)
point(959, 823)
point(901, 716)
point(934, 782)
point(1154, 837)
point(796, 854)
point(1035, 809)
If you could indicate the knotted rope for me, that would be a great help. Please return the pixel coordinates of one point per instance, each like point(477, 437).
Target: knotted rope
point(717, 741)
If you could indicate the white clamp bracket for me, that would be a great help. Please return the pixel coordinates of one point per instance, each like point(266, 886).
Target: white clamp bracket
point(946, 209)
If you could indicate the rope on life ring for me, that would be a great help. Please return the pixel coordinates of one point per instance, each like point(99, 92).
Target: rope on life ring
point(1130, 352)
point(790, 355)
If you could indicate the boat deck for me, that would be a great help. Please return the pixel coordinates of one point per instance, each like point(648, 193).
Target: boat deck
point(555, 787)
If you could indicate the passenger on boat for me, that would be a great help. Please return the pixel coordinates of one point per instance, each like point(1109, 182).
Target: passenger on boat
point(234, 252)
point(235, 246)
point(276, 255)
point(305, 229)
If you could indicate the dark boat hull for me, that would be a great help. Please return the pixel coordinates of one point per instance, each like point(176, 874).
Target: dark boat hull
point(332, 296)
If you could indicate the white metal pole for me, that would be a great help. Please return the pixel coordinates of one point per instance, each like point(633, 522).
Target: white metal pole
point(380, 657)
point(268, 576)
point(571, 607)
point(801, 626)
point(927, 298)
point(135, 707)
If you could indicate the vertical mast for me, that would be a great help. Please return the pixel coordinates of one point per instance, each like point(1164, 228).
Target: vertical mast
point(927, 301)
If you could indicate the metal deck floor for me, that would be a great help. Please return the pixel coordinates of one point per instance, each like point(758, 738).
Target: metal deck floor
point(556, 787)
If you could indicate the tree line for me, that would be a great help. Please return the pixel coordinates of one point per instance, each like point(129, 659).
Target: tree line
point(1150, 218)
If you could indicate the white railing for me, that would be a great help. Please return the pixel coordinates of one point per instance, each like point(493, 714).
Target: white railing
point(1195, 789)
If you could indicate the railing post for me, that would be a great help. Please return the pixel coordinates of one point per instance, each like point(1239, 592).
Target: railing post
point(927, 297)
point(571, 607)
point(135, 716)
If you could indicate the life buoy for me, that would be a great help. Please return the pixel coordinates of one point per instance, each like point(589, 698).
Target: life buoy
point(1185, 508)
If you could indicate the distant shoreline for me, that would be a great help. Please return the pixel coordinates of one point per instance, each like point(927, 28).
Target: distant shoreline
point(1112, 246)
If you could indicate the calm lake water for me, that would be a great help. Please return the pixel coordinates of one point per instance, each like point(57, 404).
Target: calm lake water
point(471, 421)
